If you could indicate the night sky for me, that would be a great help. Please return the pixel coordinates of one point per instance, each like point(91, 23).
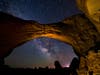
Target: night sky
point(41, 51)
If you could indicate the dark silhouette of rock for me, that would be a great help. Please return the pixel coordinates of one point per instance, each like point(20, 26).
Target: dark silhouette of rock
point(74, 66)
point(57, 65)
point(75, 63)
point(1, 61)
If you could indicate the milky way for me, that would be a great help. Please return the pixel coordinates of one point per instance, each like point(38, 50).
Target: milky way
point(41, 52)
point(56, 50)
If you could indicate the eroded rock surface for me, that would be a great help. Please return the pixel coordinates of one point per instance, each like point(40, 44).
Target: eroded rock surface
point(76, 30)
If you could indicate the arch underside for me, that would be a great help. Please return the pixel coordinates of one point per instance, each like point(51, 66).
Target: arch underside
point(82, 34)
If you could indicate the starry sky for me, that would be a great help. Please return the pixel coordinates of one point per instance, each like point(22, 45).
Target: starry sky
point(41, 51)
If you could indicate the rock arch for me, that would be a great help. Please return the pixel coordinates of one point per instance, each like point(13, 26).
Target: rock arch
point(82, 31)
point(82, 35)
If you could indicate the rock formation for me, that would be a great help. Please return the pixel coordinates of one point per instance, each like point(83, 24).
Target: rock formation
point(82, 31)
point(82, 34)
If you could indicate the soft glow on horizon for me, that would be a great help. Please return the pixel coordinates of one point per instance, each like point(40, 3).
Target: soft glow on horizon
point(67, 65)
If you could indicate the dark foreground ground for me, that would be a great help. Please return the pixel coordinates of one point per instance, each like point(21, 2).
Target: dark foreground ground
point(35, 71)
point(58, 70)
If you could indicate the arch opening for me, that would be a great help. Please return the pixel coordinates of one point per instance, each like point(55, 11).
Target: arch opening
point(41, 52)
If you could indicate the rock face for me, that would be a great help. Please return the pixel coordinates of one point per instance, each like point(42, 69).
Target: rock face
point(90, 63)
point(91, 8)
point(77, 31)
point(93, 62)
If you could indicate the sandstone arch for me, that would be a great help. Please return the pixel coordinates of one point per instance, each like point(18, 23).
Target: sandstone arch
point(82, 34)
